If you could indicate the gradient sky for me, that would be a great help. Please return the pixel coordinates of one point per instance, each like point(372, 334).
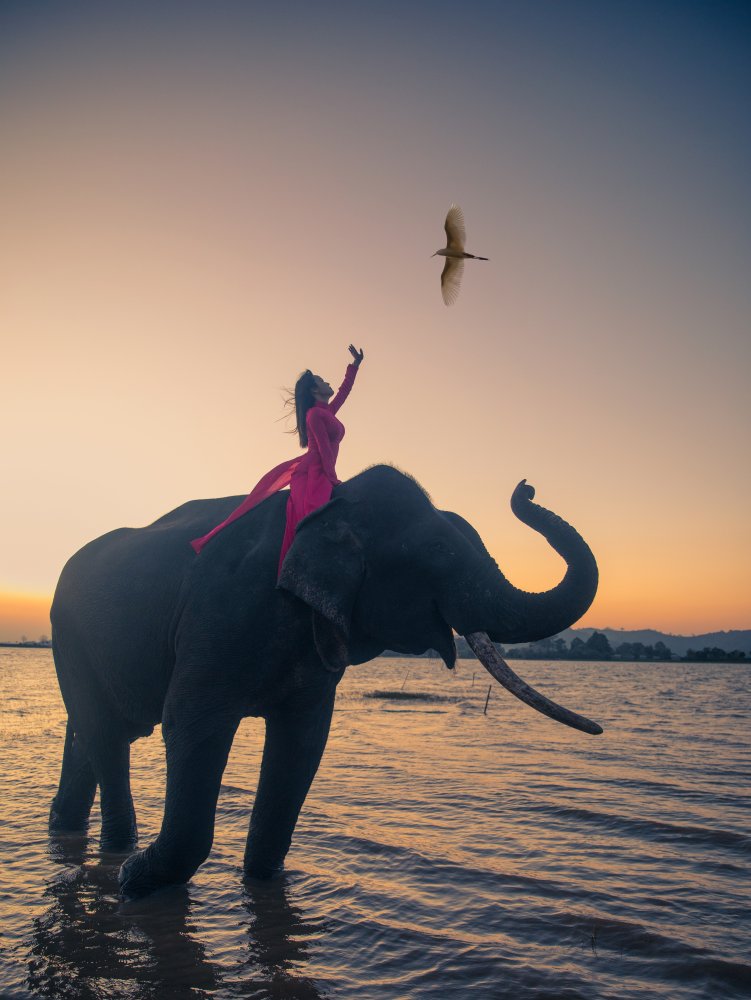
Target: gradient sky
point(199, 200)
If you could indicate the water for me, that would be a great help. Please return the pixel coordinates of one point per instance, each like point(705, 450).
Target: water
point(441, 853)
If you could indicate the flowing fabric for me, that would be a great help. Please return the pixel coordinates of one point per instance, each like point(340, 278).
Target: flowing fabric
point(271, 483)
point(310, 477)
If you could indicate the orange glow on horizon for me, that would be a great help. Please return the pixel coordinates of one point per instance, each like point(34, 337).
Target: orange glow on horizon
point(28, 614)
point(24, 615)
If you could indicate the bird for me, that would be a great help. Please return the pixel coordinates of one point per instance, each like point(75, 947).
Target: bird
point(455, 255)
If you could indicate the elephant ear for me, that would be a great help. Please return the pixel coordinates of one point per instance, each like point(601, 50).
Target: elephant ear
point(324, 567)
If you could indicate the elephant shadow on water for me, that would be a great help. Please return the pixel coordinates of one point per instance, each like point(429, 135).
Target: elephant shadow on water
point(144, 631)
point(89, 943)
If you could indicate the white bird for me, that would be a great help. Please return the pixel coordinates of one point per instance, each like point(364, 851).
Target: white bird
point(455, 255)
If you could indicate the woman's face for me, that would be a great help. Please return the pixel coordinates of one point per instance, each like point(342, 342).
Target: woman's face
point(321, 388)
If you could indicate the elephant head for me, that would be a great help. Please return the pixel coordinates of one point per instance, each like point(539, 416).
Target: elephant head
point(382, 568)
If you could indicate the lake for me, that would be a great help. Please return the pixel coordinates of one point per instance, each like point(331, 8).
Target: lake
point(441, 853)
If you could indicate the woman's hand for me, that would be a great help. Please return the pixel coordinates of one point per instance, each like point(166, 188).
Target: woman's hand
point(357, 355)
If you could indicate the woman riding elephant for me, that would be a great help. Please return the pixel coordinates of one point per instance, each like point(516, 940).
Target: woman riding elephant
point(312, 476)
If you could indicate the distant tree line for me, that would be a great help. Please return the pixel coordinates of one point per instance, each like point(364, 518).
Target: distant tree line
point(597, 647)
point(714, 655)
point(43, 641)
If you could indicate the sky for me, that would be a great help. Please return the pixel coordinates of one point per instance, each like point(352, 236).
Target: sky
point(200, 200)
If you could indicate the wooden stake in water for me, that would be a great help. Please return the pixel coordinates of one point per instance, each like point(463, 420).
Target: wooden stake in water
point(485, 710)
point(405, 679)
point(473, 680)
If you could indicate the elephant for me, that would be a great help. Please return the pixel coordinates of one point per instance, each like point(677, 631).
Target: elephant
point(145, 631)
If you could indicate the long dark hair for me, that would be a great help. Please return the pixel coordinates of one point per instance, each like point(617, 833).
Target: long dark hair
point(302, 400)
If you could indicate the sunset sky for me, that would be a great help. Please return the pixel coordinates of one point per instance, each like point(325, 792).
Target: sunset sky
point(199, 200)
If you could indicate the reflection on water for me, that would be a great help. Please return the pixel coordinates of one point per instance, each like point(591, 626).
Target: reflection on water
point(277, 938)
point(442, 852)
point(88, 944)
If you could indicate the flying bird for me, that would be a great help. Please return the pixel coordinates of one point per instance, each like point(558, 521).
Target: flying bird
point(455, 255)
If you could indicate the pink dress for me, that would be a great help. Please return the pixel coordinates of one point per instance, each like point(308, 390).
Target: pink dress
point(310, 477)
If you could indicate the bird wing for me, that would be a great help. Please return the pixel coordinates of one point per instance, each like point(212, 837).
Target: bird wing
point(456, 236)
point(451, 279)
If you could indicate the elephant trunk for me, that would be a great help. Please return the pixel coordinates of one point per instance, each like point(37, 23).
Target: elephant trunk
point(485, 608)
point(488, 655)
point(510, 615)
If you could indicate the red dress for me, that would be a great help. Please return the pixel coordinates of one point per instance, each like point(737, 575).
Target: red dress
point(310, 477)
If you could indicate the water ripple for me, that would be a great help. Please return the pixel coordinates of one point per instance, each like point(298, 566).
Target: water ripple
point(443, 852)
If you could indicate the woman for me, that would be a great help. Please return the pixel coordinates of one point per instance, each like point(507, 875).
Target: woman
point(312, 476)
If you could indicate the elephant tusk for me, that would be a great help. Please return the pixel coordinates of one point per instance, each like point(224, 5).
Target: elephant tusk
point(494, 663)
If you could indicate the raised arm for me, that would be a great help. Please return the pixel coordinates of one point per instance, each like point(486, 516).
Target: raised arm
point(344, 389)
point(318, 438)
point(349, 379)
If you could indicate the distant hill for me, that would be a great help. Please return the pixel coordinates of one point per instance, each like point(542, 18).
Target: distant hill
point(739, 639)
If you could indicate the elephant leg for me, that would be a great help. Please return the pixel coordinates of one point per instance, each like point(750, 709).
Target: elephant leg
point(72, 804)
point(295, 742)
point(197, 752)
point(111, 761)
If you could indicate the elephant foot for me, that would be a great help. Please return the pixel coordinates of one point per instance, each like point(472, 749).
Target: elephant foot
point(118, 838)
point(263, 869)
point(120, 841)
point(64, 820)
point(145, 872)
point(120, 844)
point(139, 875)
point(68, 847)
